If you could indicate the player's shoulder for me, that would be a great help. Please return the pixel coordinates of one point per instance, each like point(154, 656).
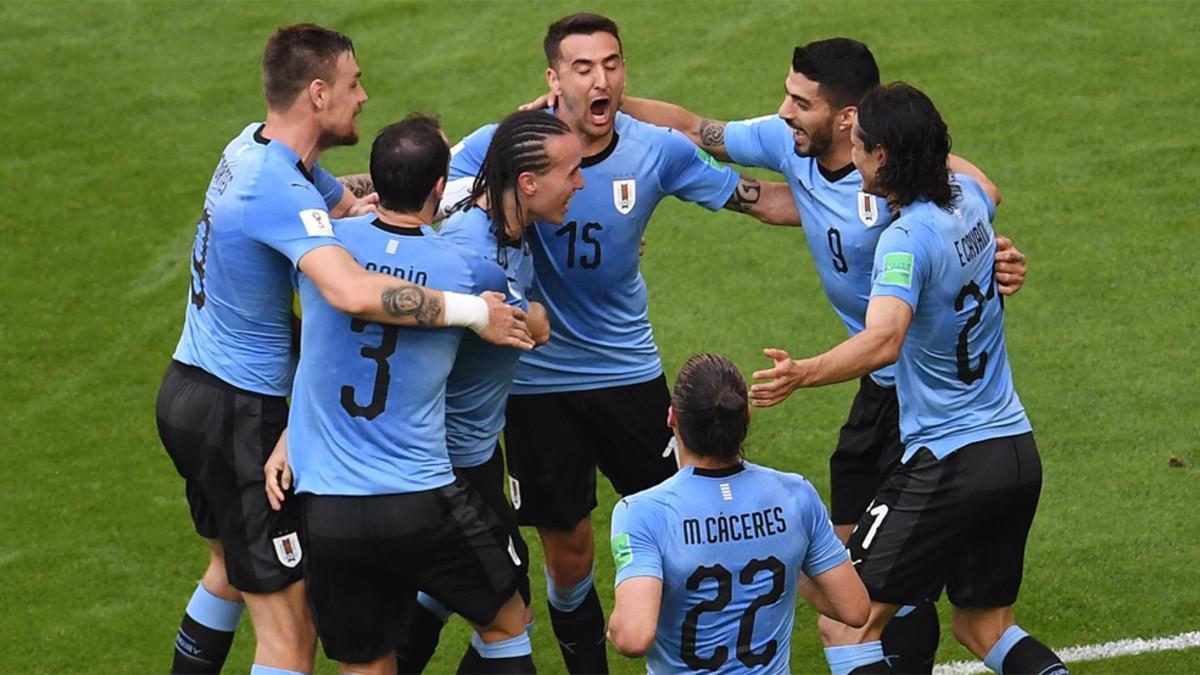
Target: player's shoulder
point(651, 136)
point(785, 481)
point(480, 137)
point(467, 226)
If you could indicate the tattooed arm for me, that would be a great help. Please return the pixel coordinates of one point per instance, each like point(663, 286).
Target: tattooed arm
point(386, 299)
point(708, 134)
point(358, 198)
point(359, 184)
point(770, 202)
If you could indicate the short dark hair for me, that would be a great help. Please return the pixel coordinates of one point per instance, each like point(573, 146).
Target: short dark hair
point(297, 55)
point(712, 413)
point(905, 122)
point(843, 69)
point(576, 24)
point(407, 159)
point(518, 145)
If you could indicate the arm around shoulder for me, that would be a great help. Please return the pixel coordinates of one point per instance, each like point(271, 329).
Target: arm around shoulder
point(706, 133)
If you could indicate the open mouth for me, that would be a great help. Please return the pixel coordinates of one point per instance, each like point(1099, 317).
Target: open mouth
point(600, 111)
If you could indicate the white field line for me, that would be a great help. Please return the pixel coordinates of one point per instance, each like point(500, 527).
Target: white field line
point(1108, 650)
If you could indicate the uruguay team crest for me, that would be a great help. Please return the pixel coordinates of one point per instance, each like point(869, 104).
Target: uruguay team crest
point(287, 549)
point(868, 210)
point(624, 195)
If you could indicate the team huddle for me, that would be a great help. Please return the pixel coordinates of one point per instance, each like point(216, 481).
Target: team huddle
point(373, 507)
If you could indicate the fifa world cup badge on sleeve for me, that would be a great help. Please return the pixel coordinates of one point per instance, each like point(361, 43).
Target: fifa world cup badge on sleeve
point(287, 549)
point(316, 223)
point(624, 195)
point(897, 270)
point(621, 550)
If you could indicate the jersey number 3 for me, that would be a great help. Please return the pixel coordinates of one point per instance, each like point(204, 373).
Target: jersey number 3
point(724, 579)
point(383, 373)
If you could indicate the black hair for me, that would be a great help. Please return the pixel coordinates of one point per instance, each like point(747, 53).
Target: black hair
point(407, 159)
point(297, 55)
point(518, 145)
point(901, 119)
point(576, 24)
point(843, 69)
point(712, 413)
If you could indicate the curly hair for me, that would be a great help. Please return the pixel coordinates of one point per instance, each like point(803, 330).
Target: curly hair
point(901, 119)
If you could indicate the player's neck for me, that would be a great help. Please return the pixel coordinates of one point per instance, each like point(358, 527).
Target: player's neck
point(837, 157)
point(407, 219)
point(299, 132)
point(686, 458)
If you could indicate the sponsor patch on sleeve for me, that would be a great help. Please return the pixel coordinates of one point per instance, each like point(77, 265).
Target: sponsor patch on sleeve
point(708, 159)
point(897, 270)
point(621, 550)
point(316, 223)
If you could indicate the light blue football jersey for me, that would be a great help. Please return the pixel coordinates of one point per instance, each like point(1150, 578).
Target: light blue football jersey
point(478, 387)
point(263, 211)
point(729, 546)
point(368, 410)
point(841, 223)
point(953, 379)
point(586, 269)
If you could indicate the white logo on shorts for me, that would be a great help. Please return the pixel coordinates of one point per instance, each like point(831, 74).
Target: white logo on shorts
point(287, 549)
point(514, 489)
point(512, 553)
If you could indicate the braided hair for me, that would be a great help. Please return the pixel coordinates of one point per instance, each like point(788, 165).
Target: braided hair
point(518, 145)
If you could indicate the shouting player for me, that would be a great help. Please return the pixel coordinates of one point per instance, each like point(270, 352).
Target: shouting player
point(595, 395)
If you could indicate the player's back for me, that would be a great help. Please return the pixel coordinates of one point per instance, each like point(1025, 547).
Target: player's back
point(728, 545)
point(586, 269)
point(482, 376)
point(238, 324)
point(368, 409)
point(954, 382)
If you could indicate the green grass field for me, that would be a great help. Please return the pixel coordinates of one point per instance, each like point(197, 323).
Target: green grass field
point(1083, 112)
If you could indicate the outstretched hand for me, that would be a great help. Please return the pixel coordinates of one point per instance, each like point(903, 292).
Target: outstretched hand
point(780, 380)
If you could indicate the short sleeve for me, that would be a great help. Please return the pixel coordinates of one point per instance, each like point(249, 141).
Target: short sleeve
point(691, 174)
point(634, 548)
point(330, 187)
point(973, 190)
point(825, 550)
point(764, 142)
point(466, 157)
point(900, 266)
point(293, 221)
point(487, 274)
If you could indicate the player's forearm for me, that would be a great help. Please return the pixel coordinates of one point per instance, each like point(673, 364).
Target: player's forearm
point(864, 353)
point(708, 134)
point(769, 202)
point(384, 299)
point(360, 184)
point(959, 165)
point(839, 594)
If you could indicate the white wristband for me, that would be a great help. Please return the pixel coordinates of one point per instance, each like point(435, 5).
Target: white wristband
point(466, 310)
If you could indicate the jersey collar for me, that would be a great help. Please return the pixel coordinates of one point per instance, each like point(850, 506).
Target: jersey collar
point(723, 472)
point(603, 154)
point(402, 231)
point(263, 140)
